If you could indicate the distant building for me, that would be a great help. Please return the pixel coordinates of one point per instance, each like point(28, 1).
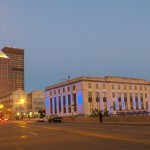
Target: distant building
point(14, 104)
point(84, 94)
point(36, 102)
point(4, 78)
point(16, 67)
point(19, 104)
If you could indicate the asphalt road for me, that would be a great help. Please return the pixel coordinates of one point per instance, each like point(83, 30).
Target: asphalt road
point(31, 135)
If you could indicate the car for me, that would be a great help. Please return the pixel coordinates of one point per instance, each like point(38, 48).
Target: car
point(54, 118)
point(3, 119)
point(40, 119)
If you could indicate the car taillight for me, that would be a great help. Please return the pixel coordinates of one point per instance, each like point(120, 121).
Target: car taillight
point(0, 119)
point(5, 119)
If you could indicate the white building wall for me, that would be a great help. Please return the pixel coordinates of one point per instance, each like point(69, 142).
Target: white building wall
point(82, 89)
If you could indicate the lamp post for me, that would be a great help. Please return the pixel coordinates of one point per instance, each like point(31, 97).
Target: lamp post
point(22, 103)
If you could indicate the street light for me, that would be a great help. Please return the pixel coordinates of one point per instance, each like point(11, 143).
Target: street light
point(22, 101)
point(1, 107)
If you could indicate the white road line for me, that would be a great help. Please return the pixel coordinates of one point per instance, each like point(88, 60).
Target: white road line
point(32, 133)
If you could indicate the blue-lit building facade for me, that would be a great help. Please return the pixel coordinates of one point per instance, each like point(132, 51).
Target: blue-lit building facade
point(84, 94)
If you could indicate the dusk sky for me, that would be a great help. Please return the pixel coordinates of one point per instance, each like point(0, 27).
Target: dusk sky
point(78, 38)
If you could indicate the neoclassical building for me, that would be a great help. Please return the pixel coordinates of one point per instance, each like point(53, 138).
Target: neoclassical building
point(84, 94)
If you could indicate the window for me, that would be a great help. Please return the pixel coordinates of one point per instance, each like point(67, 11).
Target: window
point(54, 92)
point(69, 103)
point(146, 104)
point(97, 96)
point(124, 87)
point(145, 95)
point(114, 106)
point(145, 88)
point(113, 94)
point(90, 97)
point(105, 100)
point(64, 104)
point(97, 86)
point(125, 95)
point(75, 101)
point(131, 101)
point(118, 87)
point(68, 89)
point(89, 85)
point(97, 100)
point(119, 94)
point(130, 87)
point(59, 99)
point(74, 87)
point(55, 105)
point(51, 107)
point(135, 87)
point(140, 88)
point(112, 86)
point(136, 100)
point(63, 90)
point(104, 87)
point(59, 91)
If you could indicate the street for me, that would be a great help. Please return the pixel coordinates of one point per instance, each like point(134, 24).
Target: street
point(30, 135)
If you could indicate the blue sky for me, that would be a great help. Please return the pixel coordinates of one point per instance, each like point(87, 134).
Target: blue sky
point(77, 38)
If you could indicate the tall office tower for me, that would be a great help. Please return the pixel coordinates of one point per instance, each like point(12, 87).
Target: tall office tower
point(4, 79)
point(16, 70)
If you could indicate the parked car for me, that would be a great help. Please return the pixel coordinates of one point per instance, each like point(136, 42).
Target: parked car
point(54, 118)
point(40, 119)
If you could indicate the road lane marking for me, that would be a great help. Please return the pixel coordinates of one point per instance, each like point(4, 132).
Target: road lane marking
point(23, 126)
point(99, 135)
point(113, 137)
point(32, 133)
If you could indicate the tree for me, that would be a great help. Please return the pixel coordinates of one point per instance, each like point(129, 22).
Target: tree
point(95, 112)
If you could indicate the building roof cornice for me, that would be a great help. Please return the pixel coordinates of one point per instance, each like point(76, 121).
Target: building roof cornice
point(105, 79)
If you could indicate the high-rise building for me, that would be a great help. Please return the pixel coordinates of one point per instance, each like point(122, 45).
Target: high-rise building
point(4, 80)
point(16, 67)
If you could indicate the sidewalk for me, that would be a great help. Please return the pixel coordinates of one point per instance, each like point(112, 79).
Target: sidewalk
point(108, 123)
